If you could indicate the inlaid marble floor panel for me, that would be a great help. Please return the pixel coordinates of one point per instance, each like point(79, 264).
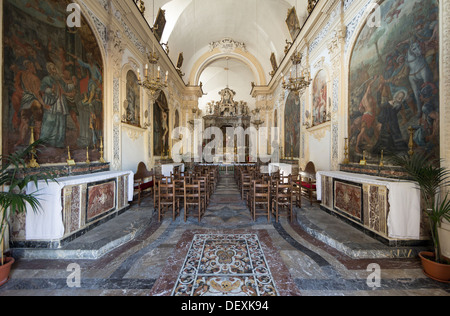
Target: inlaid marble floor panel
point(152, 263)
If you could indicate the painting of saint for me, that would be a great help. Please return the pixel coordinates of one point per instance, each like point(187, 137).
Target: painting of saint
point(320, 98)
point(292, 126)
point(53, 80)
point(160, 126)
point(133, 104)
point(293, 23)
point(394, 82)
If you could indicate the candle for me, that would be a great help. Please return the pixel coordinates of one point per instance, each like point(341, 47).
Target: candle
point(167, 76)
point(159, 72)
point(139, 74)
point(146, 70)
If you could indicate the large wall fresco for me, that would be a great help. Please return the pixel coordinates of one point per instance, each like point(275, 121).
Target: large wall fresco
point(292, 126)
point(52, 80)
point(394, 81)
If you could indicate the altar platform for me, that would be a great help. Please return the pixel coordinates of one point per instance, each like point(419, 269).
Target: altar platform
point(139, 220)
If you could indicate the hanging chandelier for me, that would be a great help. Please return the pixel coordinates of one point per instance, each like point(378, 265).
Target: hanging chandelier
point(257, 122)
point(302, 78)
point(151, 82)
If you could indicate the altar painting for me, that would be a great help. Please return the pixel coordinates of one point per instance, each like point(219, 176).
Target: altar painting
point(132, 105)
point(292, 126)
point(52, 81)
point(394, 82)
point(160, 126)
point(320, 98)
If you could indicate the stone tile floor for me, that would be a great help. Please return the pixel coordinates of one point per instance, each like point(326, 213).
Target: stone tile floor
point(133, 267)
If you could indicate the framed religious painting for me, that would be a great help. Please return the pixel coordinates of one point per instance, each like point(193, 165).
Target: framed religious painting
point(293, 23)
point(394, 82)
point(52, 81)
point(320, 99)
point(132, 104)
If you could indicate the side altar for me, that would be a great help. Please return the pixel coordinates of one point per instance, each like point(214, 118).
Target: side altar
point(385, 208)
point(71, 206)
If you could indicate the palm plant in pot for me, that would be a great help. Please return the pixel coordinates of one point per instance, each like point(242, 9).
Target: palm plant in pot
point(432, 180)
point(13, 199)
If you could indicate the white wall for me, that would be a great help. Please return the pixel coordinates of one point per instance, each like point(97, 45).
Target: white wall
point(320, 151)
point(132, 149)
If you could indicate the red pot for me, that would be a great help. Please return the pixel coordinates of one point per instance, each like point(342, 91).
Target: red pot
point(5, 270)
point(434, 270)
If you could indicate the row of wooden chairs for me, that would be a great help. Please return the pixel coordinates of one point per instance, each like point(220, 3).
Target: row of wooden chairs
point(193, 190)
point(270, 194)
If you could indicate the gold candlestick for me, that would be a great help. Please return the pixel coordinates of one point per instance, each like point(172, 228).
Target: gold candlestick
point(382, 159)
point(33, 163)
point(87, 156)
point(411, 141)
point(70, 161)
point(102, 160)
point(346, 159)
point(364, 161)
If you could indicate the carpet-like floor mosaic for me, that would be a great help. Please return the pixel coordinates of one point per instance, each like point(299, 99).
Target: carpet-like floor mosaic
point(225, 264)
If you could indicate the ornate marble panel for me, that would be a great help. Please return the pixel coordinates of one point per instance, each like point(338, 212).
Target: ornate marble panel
point(101, 199)
point(348, 199)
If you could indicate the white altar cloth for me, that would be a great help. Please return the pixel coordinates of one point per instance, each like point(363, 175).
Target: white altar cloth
point(404, 199)
point(285, 169)
point(47, 224)
point(168, 168)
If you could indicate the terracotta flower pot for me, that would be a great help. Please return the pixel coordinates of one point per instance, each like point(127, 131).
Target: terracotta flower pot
point(435, 271)
point(5, 270)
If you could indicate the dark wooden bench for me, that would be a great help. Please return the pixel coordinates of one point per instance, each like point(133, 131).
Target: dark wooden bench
point(308, 184)
point(143, 180)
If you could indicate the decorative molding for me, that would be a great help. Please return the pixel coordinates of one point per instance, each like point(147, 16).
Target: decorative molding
point(227, 45)
point(133, 132)
point(444, 90)
point(319, 131)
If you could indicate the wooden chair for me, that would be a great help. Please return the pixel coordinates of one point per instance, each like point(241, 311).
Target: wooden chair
point(261, 200)
point(283, 201)
point(296, 181)
point(203, 189)
point(179, 189)
point(193, 200)
point(308, 184)
point(142, 180)
point(246, 186)
point(167, 200)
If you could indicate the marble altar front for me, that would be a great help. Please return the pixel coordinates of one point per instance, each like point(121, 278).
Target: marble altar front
point(70, 206)
point(389, 208)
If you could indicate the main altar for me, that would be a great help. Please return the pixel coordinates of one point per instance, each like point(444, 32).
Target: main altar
point(225, 114)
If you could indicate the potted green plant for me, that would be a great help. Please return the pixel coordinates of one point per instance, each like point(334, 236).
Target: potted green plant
point(14, 199)
point(432, 180)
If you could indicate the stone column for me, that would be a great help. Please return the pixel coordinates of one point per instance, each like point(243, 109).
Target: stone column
point(336, 49)
point(444, 90)
point(115, 53)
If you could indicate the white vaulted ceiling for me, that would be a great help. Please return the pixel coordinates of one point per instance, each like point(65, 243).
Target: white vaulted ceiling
point(192, 25)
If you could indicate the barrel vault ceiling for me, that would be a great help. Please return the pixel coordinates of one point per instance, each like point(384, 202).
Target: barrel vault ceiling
point(193, 25)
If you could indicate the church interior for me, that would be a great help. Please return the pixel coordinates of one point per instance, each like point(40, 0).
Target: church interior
point(225, 148)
